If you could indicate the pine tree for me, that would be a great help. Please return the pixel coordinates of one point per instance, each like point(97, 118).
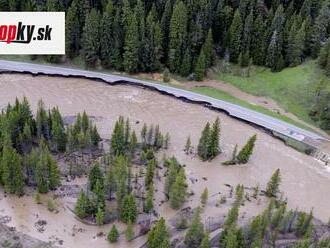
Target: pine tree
point(82, 205)
point(275, 59)
point(42, 122)
point(178, 191)
point(258, 43)
point(118, 138)
point(177, 36)
point(11, 170)
point(91, 38)
point(94, 175)
point(110, 185)
point(94, 135)
point(99, 200)
point(235, 35)
point(273, 184)
point(47, 174)
point(99, 216)
point(200, 68)
point(202, 148)
point(214, 147)
point(58, 131)
point(185, 68)
point(244, 155)
point(149, 201)
point(208, 49)
point(158, 236)
point(172, 172)
point(106, 35)
point(72, 31)
point(133, 142)
point(128, 210)
point(113, 235)
point(195, 233)
point(131, 47)
point(129, 233)
point(150, 172)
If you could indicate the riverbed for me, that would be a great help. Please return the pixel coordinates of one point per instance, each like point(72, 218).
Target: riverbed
point(305, 181)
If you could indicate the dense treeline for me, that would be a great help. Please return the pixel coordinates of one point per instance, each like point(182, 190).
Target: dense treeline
point(186, 36)
point(27, 143)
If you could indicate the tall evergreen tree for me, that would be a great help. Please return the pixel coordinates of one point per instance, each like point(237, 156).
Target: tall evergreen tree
point(235, 36)
point(177, 36)
point(244, 155)
point(128, 210)
point(159, 235)
point(91, 38)
point(178, 191)
point(195, 233)
point(131, 44)
point(72, 31)
point(273, 185)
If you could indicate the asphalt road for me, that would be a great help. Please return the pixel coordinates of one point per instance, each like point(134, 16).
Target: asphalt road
point(257, 118)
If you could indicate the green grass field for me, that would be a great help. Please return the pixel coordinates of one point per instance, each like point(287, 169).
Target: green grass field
point(293, 88)
point(219, 94)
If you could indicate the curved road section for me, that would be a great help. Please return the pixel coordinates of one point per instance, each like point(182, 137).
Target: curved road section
point(259, 119)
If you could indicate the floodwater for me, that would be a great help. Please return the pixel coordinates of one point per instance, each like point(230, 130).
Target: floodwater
point(305, 181)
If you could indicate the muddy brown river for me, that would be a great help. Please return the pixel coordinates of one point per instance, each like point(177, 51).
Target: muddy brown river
point(305, 181)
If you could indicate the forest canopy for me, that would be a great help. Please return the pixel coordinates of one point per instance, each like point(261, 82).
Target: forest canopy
point(187, 36)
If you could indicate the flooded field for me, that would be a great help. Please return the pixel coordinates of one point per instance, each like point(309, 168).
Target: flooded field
point(305, 181)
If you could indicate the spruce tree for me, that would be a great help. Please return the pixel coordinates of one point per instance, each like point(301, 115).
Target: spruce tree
point(131, 47)
point(133, 142)
point(244, 155)
point(47, 174)
point(95, 174)
point(195, 233)
point(208, 49)
point(274, 183)
point(185, 67)
point(202, 148)
point(58, 131)
point(72, 31)
point(118, 138)
point(214, 146)
point(158, 236)
point(149, 201)
point(177, 36)
point(200, 68)
point(106, 35)
point(178, 191)
point(91, 38)
point(113, 235)
point(99, 216)
point(82, 205)
point(128, 210)
point(11, 170)
point(235, 35)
